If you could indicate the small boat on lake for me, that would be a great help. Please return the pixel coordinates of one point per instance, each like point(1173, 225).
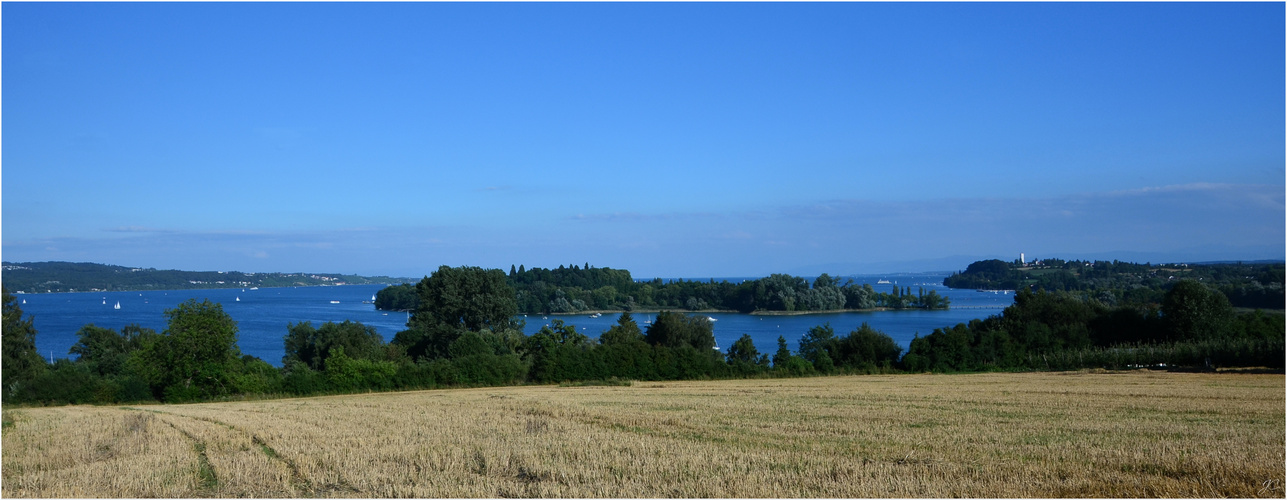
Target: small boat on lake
point(335, 302)
point(117, 306)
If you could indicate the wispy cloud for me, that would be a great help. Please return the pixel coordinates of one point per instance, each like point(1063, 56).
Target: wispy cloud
point(1146, 203)
point(1171, 188)
point(137, 229)
point(642, 217)
point(1222, 220)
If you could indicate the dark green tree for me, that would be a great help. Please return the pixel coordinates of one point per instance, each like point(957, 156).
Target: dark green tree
point(558, 352)
point(672, 329)
point(21, 362)
point(196, 357)
point(455, 300)
point(470, 298)
point(626, 331)
point(743, 351)
point(744, 359)
point(104, 351)
point(397, 298)
point(866, 348)
point(1191, 311)
point(818, 346)
point(311, 346)
point(783, 355)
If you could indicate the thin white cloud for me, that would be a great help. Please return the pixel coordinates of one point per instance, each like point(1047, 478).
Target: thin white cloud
point(1196, 186)
point(137, 229)
point(641, 217)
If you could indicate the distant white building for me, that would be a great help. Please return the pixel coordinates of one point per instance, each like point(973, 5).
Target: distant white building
point(1022, 260)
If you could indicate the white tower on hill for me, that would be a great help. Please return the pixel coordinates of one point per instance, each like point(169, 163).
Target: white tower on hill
point(1021, 259)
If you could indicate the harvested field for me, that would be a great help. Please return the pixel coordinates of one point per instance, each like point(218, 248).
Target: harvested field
point(1136, 434)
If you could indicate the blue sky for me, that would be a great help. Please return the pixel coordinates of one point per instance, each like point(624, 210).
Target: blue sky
point(671, 139)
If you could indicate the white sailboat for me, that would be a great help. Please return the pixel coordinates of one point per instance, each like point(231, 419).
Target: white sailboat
point(117, 306)
point(238, 299)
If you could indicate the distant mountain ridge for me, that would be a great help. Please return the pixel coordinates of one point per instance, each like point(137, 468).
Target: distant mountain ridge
point(52, 277)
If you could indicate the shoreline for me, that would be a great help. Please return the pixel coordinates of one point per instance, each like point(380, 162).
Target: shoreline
point(589, 312)
point(319, 285)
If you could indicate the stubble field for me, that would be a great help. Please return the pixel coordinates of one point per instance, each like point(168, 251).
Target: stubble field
point(1138, 434)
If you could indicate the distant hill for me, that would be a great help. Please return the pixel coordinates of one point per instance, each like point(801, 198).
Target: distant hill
point(43, 277)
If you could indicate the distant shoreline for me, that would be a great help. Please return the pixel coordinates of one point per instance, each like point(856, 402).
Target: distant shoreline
point(730, 311)
point(129, 290)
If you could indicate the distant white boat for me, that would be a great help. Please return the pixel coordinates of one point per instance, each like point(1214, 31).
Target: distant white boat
point(238, 299)
point(335, 302)
point(117, 306)
point(24, 301)
point(254, 288)
point(882, 282)
point(711, 318)
point(372, 297)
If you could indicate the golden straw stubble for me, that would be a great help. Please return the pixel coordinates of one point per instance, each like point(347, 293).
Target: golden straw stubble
point(1127, 434)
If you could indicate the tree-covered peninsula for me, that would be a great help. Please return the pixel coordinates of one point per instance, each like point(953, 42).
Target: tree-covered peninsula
point(574, 289)
point(1249, 285)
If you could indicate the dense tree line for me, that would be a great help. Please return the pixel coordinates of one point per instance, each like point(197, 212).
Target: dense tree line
point(572, 289)
point(1194, 325)
point(463, 331)
point(1245, 285)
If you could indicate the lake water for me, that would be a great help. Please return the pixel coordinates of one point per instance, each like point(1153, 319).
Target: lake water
point(262, 315)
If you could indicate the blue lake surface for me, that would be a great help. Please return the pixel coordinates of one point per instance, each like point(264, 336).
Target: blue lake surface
point(262, 315)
